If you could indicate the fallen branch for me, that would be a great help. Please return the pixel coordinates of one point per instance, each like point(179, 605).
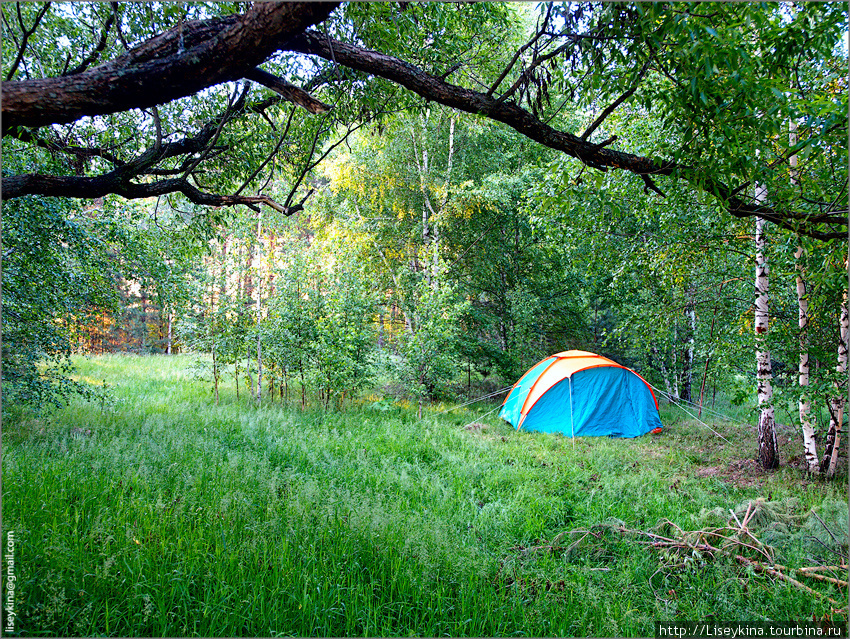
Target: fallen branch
point(779, 575)
point(813, 575)
point(735, 538)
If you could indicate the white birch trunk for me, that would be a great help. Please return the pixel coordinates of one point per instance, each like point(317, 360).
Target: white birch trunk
point(430, 213)
point(768, 444)
point(675, 365)
point(809, 444)
point(688, 364)
point(836, 403)
point(435, 264)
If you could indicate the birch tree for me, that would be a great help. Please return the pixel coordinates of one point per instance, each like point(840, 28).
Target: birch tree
point(809, 443)
point(768, 444)
point(838, 401)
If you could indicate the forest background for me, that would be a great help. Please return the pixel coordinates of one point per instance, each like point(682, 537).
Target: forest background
point(335, 222)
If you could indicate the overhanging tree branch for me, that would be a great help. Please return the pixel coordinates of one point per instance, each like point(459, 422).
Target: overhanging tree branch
point(115, 183)
point(594, 156)
point(199, 54)
point(143, 78)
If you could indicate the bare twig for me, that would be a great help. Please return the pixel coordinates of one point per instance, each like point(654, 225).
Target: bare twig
point(610, 108)
point(813, 575)
point(758, 567)
point(540, 31)
point(26, 36)
point(271, 155)
point(101, 45)
point(233, 105)
point(826, 528)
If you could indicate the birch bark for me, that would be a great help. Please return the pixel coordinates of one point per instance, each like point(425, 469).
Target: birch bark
point(768, 444)
point(838, 401)
point(430, 212)
point(688, 363)
point(809, 443)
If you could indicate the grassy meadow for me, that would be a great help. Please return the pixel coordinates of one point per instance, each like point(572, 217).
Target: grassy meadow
point(162, 514)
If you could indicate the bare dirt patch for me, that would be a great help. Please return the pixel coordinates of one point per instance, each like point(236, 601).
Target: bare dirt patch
point(743, 473)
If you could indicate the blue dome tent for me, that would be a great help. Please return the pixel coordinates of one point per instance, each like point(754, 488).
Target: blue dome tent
point(581, 394)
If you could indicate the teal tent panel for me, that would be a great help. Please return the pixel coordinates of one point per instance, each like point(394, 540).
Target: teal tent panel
point(603, 401)
point(513, 404)
point(646, 417)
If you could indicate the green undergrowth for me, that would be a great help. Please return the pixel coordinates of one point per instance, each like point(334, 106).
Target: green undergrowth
point(162, 514)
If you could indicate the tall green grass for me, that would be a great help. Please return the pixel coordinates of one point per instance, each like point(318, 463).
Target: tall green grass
point(161, 514)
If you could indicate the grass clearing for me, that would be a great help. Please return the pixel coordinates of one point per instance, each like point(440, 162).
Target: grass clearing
point(161, 514)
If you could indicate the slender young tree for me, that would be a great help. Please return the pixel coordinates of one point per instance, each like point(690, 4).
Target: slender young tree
point(809, 443)
point(259, 308)
point(768, 444)
point(837, 401)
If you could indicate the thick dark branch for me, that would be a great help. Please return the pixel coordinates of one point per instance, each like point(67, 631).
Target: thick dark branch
point(289, 91)
point(101, 45)
point(26, 33)
point(113, 182)
point(229, 55)
point(462, 99)
point(651, 186)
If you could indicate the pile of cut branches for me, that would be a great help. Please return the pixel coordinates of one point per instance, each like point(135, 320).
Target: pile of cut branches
point(737, 542)
point(680, 549)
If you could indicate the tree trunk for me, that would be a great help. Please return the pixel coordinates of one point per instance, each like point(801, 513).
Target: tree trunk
point(708, 357)
point(837, 402)
point(663, 368)
point(170, 336)
point(144, 318)
point(768, 444)
point(216, 373)
point(688, 359)
point(249, 277)
point(809, 444)
point(249, 375)
point(303, 385)
point(675, 395)
point(270, 263)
